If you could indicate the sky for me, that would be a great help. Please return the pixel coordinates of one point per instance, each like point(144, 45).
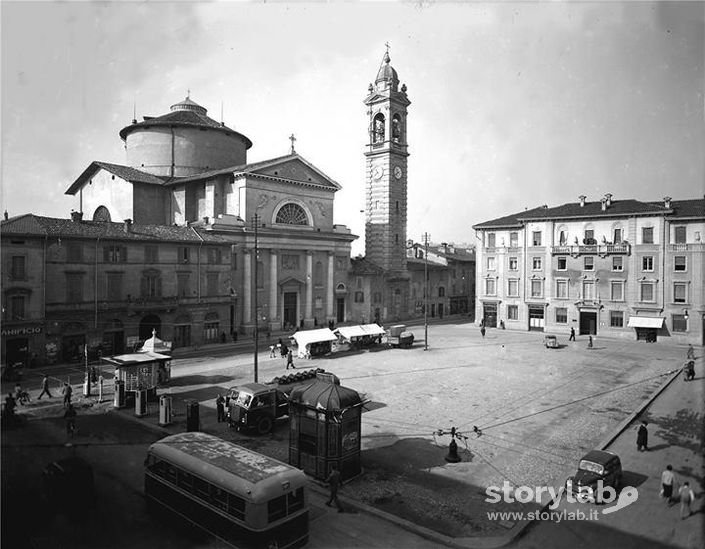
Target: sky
point(513, 105)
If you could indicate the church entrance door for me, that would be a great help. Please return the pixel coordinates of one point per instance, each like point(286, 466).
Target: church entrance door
point(290, 299)
point(340, 310)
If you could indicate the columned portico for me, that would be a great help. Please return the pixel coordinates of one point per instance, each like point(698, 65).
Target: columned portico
point(274, 322)
point(330, 315)
point(308, 306)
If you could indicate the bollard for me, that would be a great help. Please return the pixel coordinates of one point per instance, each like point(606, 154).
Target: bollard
point(119, 401)
point(100, 388)
point(141, 403)
point(164, 410)
point(192, 419)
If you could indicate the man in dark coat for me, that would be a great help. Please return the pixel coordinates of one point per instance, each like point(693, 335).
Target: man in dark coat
point(333, 481)
point(45, 387)
point(642, 437)
point(220, 407)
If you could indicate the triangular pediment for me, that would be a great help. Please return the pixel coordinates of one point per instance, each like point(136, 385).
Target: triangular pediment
point(293, 168)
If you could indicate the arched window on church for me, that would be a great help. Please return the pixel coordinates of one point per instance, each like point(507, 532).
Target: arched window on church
point(396, 128)
point(291, 214)
point(101, 214)
point(378, 129)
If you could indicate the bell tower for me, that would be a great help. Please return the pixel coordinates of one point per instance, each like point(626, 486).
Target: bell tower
point(386, 175)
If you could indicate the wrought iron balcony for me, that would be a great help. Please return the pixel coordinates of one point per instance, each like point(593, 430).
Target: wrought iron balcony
point(623, 248)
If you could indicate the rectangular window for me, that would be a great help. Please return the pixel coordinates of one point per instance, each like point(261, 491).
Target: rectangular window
point(74, 252)
point(647, 263)
point(679, 235)
point(491, 240)
point(513, 288)
point(679, 263)
point(113, 286)
point(513, 264)
point(151, 254)
point(646, 291)
point(680, 292)
point(617, 291)
point(589, 263)
point(17, 307)
point(490, 286)
point(359, 297)
point(114, 254)
point(588, 290)
point(536, 288)
point(536, 238)
point(215, 256)
point(589, 237)
point(18, 271)
point(536, 263)
point(617, 263)
point(562, 263)
point(514, 239)
point(616, 319)
point(562, 289)
point(74, 287)
point(617, 237)
point(151, 284)
point(647, 235)
point(491, 263)
point(182, 284)
point(561, 315)
point(512, 312)
point(212, 283)
point(184, 255)
point(679, 323)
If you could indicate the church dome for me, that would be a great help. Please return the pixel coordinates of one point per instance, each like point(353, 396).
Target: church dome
point(386, 73)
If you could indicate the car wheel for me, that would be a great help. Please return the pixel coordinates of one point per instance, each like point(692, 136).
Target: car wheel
point(264, 425)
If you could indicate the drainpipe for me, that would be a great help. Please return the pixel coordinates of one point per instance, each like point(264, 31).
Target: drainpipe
point(664, 246)
point(200, 246)
point(173, 146)
point(523, 271)
point(95, 287)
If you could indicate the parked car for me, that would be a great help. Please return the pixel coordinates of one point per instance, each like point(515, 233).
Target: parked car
point(596, 465)
point(551, 342)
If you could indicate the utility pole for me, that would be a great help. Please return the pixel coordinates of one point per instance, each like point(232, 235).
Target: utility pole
point(255, 224)
point(425, 237)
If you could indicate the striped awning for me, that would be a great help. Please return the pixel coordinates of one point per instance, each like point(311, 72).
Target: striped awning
point(645, 322)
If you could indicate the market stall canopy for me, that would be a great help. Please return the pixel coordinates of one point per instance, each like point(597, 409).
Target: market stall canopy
point(313, 336)
point(348, 332)
point(645, 322)
point(155, 345)
point(372, 329)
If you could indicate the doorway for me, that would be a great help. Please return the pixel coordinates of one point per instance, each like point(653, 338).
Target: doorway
point(489, 315)
point(588, 323)
point(537, 321)
point(340, 309)
point(17, 351)
point(290, 301)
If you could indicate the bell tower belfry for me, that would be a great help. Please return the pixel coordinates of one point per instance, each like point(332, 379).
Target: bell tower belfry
point(386, 175)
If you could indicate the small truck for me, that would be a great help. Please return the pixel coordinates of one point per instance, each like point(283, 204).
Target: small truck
point(397, 336)
point(256, 406)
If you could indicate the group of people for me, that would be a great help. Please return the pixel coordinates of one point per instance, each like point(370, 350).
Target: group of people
point(285, 352)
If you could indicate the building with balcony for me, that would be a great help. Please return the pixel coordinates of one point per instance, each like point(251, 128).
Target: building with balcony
point(621, 268)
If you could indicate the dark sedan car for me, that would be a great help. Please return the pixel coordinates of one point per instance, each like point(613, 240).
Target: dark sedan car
point(596, 465)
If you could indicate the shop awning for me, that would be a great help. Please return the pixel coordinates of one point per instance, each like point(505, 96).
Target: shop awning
point(645, 322)
point(372, 329)
point(348, 332)
point(313, 336)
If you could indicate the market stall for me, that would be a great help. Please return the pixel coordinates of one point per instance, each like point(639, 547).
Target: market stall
point(314, 342)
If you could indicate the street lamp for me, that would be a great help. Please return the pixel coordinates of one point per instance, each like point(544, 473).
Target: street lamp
point(255, 225)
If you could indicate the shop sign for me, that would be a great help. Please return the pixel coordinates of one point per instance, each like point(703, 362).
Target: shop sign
point(25, 330)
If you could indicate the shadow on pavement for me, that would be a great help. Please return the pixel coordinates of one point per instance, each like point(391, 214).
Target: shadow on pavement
point(199, 380)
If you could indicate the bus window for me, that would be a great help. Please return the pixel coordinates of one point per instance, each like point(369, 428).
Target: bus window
point(219, 498)
point(171, 473)
point(185, 481)
point(200, 489)
point(236, 506)
point(276, 508)
point(295, 500)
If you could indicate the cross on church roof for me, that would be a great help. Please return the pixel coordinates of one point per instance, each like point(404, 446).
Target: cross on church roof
point(292, 139)
point(387, 44)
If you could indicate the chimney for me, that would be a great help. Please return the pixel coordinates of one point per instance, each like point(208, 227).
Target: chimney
point(582, 198)
point(604, 204)
point(76, 217)
point(667, 201)
point(128, 225)
point(608, 198)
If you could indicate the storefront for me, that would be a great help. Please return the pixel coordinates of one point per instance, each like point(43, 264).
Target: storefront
point(646, 327)
point(489, 315)
point(21, 344)
point(537, 318)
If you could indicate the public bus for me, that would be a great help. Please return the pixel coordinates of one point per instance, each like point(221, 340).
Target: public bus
point(246, 499)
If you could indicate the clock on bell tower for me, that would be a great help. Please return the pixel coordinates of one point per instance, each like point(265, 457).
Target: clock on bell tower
point(386, 159)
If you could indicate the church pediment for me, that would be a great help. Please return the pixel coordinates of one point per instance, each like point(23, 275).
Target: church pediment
point(293, 168)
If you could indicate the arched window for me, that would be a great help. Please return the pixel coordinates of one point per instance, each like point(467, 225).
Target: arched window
point(396, 128)
point(101, 214)
point(292, 214)
point(378, 129)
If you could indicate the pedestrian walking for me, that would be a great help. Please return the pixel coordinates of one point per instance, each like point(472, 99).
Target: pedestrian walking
point(67, 391)
point(668, 479)
point(272, 351)
point(333, 481)
point(572, 334)
point(686, 497)
point(10, 405)
point(45, 387)
point(70, 417)
point(691, 353)
point(482, 331)
point(220, 407)
point(290, 360)
point(589, 342)
point(642, 438)
point(282, 348)
point(689, 370)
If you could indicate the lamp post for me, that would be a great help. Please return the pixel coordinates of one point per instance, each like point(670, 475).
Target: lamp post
point(255, 225)
point(425, 237)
